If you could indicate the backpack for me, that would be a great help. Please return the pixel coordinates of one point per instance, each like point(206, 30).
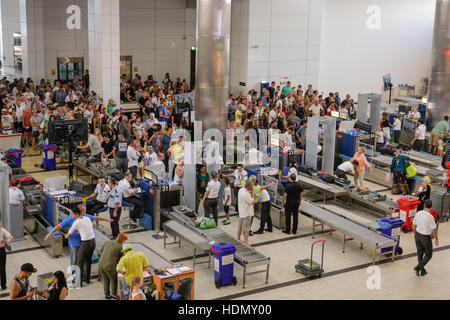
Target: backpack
point(306, 169)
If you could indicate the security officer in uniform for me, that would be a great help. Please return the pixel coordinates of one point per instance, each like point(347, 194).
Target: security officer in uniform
point(115, 206)
point(101, 194)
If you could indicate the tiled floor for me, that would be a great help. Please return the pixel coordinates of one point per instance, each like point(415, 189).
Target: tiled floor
point(346, 274)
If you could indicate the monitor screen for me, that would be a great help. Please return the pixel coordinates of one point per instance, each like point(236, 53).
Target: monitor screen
point(335, 114)
point(150, 176)
point(343, 115)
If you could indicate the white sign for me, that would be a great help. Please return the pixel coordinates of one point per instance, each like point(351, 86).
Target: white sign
point(74, 19)
point(228, 259)
point(374, 19)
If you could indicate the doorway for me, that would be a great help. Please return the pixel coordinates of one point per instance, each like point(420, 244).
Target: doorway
point(69, 67)
point(126, 68)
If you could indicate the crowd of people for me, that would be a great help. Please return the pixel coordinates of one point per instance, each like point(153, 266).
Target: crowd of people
point(150, 139)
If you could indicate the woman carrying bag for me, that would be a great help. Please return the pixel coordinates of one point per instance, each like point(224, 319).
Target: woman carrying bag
point(398, 168)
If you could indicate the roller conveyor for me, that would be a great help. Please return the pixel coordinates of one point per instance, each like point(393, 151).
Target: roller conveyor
point(325, 188)
point(364, 234)
point(244, 255)
point(156, 261)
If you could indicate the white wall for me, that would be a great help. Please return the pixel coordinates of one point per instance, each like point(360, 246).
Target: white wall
point(277, 38)
point(58, 40)
point(10, 23)
point(158, 34)
point(354, 59)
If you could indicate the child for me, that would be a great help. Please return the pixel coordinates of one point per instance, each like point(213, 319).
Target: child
point(441, 145)
point(41, 137)
point(227, 200)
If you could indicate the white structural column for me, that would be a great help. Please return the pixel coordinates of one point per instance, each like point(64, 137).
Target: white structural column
point(10, 23)
point(32, 29)
point(104, 48)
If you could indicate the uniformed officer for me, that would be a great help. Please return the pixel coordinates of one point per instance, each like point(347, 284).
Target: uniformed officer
point(115, 206)
point(101, 195)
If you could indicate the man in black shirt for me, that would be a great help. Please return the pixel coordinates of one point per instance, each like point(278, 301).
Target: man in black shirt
point(107, 147)
point(272, 90)
point(141, 102)
point(292, 197)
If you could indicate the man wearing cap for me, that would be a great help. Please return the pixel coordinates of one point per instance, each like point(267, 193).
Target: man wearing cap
point(20, 288)
point(131, 265)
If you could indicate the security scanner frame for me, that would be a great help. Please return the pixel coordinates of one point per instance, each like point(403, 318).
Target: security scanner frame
point(245, 256)
point(366, 100)
point(364, 234)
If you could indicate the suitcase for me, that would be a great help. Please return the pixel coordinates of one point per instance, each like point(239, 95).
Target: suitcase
point(441, 203)
point(327, 178)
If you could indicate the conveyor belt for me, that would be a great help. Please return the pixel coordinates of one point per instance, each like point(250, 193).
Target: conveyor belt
point(244, 256)
point(335, 190)
point(156, 261)
point(366, 235)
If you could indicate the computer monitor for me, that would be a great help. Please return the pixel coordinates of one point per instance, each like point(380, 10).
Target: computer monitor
point(150, 176)
point(335, 114)
point(343, 115)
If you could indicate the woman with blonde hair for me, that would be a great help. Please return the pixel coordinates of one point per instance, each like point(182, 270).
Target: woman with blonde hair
point(136, 289)
point(424, 192)
point(5, 238)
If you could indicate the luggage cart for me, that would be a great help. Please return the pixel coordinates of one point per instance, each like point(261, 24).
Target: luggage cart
point(308, 267)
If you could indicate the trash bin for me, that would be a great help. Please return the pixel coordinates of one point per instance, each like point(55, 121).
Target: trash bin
point(15, 155)
point(223, 255)
point(48, 152)
point(390, 226)
point(407, 207)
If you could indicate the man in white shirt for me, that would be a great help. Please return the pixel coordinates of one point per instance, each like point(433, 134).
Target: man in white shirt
point(211, 197)
point(85, 227)
point(158, 167)
point(423, 226)
point(397, 126)
point(314, 109)
point(150, 157)
point(246, 211)
point(16, 195)
point(101, 195)
point(419, 139)
point(133, 157)
point(344, 168)
point(129, 195)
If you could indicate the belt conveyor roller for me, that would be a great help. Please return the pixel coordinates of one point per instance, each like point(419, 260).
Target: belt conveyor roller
point(244, 255)
point(365, 234)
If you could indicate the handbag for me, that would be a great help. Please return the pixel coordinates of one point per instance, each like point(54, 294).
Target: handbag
point(411, 170)
point(207, 223)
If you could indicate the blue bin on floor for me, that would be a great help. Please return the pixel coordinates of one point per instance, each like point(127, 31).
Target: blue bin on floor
point(223, 256)
point(15, 155)
point(391, 226)
point(48, 151)
point(146, 221)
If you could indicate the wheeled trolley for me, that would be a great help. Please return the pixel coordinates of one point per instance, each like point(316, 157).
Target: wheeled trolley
point(308, 267)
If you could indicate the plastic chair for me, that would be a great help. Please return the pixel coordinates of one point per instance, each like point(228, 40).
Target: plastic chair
point(130, 225)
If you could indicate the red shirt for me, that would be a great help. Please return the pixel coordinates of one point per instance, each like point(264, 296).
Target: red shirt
point(329, 109)
point(26, 119)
